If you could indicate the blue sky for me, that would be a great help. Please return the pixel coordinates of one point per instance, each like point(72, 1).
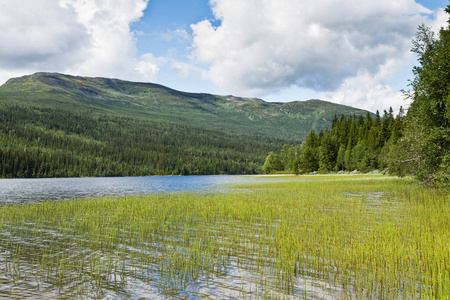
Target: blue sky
point(434, 4)
point(280, 50)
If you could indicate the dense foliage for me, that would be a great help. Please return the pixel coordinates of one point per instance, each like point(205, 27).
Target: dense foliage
point(425, 148)
point(45, 142)
point(353, 143)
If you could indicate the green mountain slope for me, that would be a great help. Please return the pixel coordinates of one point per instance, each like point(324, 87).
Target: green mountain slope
point(152, 102)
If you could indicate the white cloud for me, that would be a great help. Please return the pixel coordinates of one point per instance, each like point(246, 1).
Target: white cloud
point(185, 70)
point(91, 38)
point(334, 47)
point(379, 90)
point(439, 20)
point(39, 33)
point(112, 51)
point(368, 91)
point(149, 66)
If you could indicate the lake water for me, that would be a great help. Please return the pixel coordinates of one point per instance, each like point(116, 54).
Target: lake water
point(222, 247)
point(17, 191)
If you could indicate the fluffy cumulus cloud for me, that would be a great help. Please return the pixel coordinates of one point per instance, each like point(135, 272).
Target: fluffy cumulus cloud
point(38, 34)
point(381, 89)
point(334, 47)
point(90, 38)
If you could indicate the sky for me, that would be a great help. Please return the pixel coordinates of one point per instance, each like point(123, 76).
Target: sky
point(351, 52)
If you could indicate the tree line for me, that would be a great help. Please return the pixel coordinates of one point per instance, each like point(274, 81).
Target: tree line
point(46, 142)
point(353, 143)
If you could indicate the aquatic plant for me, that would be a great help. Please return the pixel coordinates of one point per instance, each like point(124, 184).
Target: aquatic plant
point(341, 236)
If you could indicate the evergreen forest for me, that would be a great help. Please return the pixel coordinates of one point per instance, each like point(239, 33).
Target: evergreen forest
point(38, 142)
point(353, 143)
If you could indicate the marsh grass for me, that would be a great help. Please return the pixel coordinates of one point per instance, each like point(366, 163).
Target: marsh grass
point(365, 237)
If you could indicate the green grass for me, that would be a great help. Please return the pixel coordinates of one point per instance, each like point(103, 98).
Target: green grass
point(364, 237)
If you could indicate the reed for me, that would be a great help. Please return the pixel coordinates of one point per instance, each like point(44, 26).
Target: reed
point(365, 237)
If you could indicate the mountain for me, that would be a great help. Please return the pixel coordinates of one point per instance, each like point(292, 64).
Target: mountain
point(153, 102)
point(54, 125)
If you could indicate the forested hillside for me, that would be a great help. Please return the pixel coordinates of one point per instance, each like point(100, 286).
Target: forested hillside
point(45, 142)
point(152, 102)
point(55, 125)
point(352, 143)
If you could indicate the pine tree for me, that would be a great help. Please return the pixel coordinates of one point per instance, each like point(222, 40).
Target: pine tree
point(309, 158)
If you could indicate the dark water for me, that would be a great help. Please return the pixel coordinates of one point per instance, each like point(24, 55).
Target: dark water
point(17, 191)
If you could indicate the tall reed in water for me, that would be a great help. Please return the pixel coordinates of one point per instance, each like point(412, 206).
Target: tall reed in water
point(343, 236)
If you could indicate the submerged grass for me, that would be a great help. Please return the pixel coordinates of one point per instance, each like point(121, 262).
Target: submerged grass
point(364, 237)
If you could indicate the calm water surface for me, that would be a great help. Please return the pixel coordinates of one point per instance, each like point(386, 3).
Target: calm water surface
point(16, 191)
point(111, 257)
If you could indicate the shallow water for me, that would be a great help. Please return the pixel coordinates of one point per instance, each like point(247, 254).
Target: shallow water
point(142, 275)
point(167, 258)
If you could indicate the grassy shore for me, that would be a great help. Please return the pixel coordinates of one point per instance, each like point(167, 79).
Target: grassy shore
point(350, 236)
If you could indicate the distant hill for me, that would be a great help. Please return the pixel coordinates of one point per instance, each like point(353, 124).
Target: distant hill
point(153, 102)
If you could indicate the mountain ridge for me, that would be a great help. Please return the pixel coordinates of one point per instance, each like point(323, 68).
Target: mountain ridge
point(155, 102)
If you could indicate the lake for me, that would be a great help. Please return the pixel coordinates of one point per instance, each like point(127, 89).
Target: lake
point(313, 237)
point(18, 191)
